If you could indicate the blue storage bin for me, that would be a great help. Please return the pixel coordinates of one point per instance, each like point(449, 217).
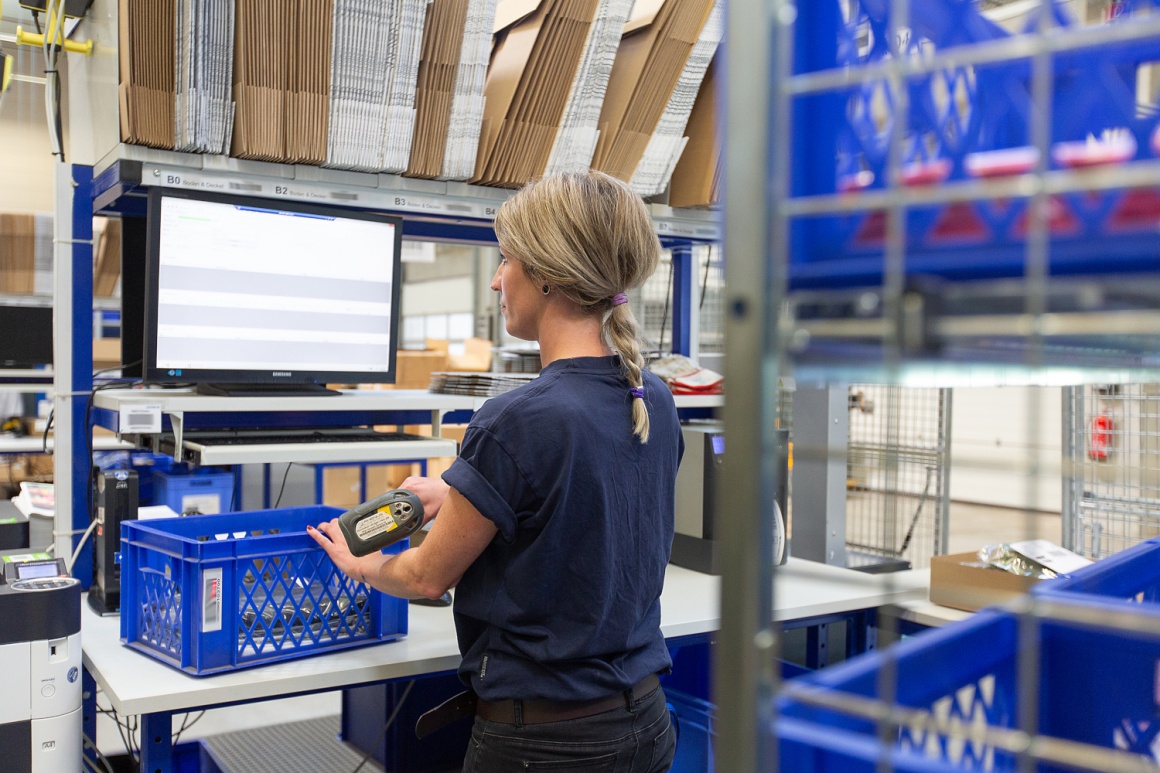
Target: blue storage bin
point(189, 493)
point(962, 124)
point(1094, 686)
point(1131, 576)
point(693, 724)
point(219, 592)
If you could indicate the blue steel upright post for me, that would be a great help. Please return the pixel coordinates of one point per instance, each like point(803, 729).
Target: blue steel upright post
point(682, 257)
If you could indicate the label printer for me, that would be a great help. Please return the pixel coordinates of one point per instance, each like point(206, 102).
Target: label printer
point(698, 481)
point(40, 665)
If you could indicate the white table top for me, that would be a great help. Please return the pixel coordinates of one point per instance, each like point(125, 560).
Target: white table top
point(186, 400)
point(135, 683)
point(174, 400)
point(922, 611)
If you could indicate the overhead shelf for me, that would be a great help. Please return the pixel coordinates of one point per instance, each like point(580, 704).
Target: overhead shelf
point(432, 209)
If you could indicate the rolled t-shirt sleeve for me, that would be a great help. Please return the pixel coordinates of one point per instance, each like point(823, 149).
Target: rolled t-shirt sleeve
point(487, 476)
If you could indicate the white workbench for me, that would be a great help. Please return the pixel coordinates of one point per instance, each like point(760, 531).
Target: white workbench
point(138, 684)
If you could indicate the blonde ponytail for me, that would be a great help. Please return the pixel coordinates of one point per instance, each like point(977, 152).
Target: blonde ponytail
point(590, 237)
point(620, 329)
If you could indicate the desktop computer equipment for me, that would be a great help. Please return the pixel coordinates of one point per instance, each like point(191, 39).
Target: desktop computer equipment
point(40, 667)
point(249, 296)
point(698, 481)
point(116, 503)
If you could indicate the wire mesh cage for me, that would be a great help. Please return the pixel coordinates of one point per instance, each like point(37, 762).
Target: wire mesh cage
point(709, 300)
point(897, 472)
point(653, 306)
point(897, 484)
point(1112, 452)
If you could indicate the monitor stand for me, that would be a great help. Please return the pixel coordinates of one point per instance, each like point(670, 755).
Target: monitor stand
point(264, 390)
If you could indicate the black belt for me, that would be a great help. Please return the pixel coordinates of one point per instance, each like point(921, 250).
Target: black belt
point(528, 712)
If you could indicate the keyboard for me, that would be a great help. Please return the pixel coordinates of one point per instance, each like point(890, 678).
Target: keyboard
point(309, 446)
point(281, 436)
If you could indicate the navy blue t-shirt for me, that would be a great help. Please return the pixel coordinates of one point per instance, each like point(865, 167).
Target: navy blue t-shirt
point(564, 604)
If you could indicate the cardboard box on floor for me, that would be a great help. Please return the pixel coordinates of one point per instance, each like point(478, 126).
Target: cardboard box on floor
point(957, 581)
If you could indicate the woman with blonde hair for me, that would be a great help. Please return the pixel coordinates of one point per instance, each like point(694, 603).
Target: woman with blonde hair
point(556, 520)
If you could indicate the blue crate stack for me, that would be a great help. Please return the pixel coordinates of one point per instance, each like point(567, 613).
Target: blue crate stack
point(966, 124)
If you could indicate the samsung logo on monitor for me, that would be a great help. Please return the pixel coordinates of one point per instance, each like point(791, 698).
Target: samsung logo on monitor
point(282, 373)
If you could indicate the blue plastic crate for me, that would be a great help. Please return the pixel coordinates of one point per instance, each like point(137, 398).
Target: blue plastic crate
point(1131, 576)
point(957, 120)
point(1095, 687)
point(693, 724)
point(191, 493)
point(214, 593)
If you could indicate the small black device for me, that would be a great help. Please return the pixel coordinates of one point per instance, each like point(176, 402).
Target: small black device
point(27, 342)
point(14, 528)
point(116, 503)
point(382, 521)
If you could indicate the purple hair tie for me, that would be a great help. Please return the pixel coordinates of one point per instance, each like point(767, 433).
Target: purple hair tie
point(637, 392)
point(619, 298)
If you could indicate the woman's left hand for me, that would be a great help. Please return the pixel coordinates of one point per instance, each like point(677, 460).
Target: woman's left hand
point(330, 538)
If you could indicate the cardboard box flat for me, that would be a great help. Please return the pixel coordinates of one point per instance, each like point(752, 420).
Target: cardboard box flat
point(17, 253)
point(107, 263)
point(148, 79)
point(970, 588)
point(657, 42)
point(694, 181)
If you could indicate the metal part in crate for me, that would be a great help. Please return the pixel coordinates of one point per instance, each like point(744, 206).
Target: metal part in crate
point(1111, 482)
point(212, 593)
point(958, 701)
point(1131, 577)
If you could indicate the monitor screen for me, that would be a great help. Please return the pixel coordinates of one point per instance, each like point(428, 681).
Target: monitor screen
point(25, 336)
point(254, 291)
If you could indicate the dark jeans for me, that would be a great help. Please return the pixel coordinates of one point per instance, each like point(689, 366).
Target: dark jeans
point(623, 740)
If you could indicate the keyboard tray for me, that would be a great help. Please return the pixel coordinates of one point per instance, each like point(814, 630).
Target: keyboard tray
point(319, 446)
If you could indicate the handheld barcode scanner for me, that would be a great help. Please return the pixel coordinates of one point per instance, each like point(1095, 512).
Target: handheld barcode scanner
point(382, 521)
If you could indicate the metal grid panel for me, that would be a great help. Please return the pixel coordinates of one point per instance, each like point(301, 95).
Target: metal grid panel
point(1113, 452)
point(653, 305)
point(897, 492)
point(710, 300)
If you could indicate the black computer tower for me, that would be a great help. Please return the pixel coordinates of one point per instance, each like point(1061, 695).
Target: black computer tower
point(116, 502)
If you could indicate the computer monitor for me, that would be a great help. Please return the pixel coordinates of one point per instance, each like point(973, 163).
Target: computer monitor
point(257, 296)
point(25, 336)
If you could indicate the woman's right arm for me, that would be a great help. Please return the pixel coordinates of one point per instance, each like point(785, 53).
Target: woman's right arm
point(432, 492)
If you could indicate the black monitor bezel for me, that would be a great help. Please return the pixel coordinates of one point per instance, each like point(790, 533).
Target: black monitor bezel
point(156, 375)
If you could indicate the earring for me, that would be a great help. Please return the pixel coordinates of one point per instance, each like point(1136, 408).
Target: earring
point(545, 289)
